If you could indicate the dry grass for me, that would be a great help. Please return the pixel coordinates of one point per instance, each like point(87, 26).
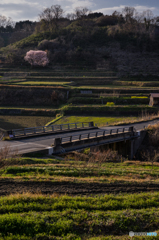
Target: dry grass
point(154, 127)
point(13, 122)
point(7, 158)
point(143, 118)
point(129, 178)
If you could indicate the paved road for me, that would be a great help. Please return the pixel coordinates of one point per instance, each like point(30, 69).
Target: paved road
point(43, 142)
point(138, 126)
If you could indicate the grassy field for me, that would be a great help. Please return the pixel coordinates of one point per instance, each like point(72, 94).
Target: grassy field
point(71, 216)
point(54, 217)
point(13, 122)
point(81, 172)
point(100, 121)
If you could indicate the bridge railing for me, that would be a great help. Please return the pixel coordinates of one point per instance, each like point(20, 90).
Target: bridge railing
point(49, 129)
point(95, 134)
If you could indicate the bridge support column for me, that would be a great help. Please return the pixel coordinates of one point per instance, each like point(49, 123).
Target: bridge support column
point(114, 146)
point(50, 150)
point(132, 150)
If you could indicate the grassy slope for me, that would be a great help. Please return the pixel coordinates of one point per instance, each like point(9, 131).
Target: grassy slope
point(12, 122)
point(31, 41)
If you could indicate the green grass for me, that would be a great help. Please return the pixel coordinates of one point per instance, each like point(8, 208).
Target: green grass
point(114, 87)
point(30, 216)
point(139, 97)
point(97, 120)
point(88, 171)
point(110, 104)
point(36, 83)
point(78, 171)
point(107, 110)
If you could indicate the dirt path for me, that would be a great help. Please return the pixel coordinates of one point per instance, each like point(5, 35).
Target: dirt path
point(47, 187)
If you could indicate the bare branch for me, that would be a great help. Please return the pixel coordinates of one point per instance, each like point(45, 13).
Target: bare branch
point(50, 17)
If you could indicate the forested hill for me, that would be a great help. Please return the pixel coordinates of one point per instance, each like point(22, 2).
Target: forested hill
point(126, 42)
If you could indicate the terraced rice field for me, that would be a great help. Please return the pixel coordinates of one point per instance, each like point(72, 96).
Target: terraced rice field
point(44, 198)
point(87, 93)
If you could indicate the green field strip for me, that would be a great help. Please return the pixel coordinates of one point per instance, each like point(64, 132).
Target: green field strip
point(42, 83)
point(73, 77)
point(87, 86)
point(96, 120)
point(115, 87)
point(104, 81)
point(29, 216)
point(140, 79)
point(138, 83)
point(62, 223)
point(28, 108)
point(110, 203)
point(88, 109)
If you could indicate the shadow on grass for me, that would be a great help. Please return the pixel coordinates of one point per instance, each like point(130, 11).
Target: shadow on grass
point(4, 124)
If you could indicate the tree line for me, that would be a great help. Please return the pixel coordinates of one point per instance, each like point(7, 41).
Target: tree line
point(53, 18)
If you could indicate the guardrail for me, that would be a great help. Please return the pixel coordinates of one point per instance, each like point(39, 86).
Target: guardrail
point(95, 134)
point(48, 129)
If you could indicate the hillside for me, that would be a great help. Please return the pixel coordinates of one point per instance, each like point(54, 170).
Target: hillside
point(91, 43)
point(103, 65)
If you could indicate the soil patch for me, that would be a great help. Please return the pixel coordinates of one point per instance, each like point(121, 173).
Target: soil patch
point(8, 187)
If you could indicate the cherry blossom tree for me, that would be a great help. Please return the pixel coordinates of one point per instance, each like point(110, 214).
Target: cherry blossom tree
point(37, 58)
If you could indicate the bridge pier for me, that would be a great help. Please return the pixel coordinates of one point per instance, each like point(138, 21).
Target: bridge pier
point(125, 148)
point(132, 150)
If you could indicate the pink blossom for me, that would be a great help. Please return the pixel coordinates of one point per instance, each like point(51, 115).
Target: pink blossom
point(37, 58)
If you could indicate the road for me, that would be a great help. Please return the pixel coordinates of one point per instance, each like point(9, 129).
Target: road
point(43, 142)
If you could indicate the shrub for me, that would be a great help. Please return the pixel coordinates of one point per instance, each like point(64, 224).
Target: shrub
point(106, 20)
point(110, 104)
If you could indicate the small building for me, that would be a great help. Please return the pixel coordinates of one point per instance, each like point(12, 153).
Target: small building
point(154, 99)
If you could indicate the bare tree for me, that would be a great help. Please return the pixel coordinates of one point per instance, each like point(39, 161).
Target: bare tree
point(50, 17)
point(81, 12)
point(129, 13)
point(4, 22)
point(71, 16)
point(151, 156)
point(148, 18)
point(8, 158)
point(138, 17)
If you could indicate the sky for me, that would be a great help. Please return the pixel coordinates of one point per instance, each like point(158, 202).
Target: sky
point(20, 10)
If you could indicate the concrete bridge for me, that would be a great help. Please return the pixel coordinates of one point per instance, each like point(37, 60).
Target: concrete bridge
point(120, 139)
point(75, 136)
